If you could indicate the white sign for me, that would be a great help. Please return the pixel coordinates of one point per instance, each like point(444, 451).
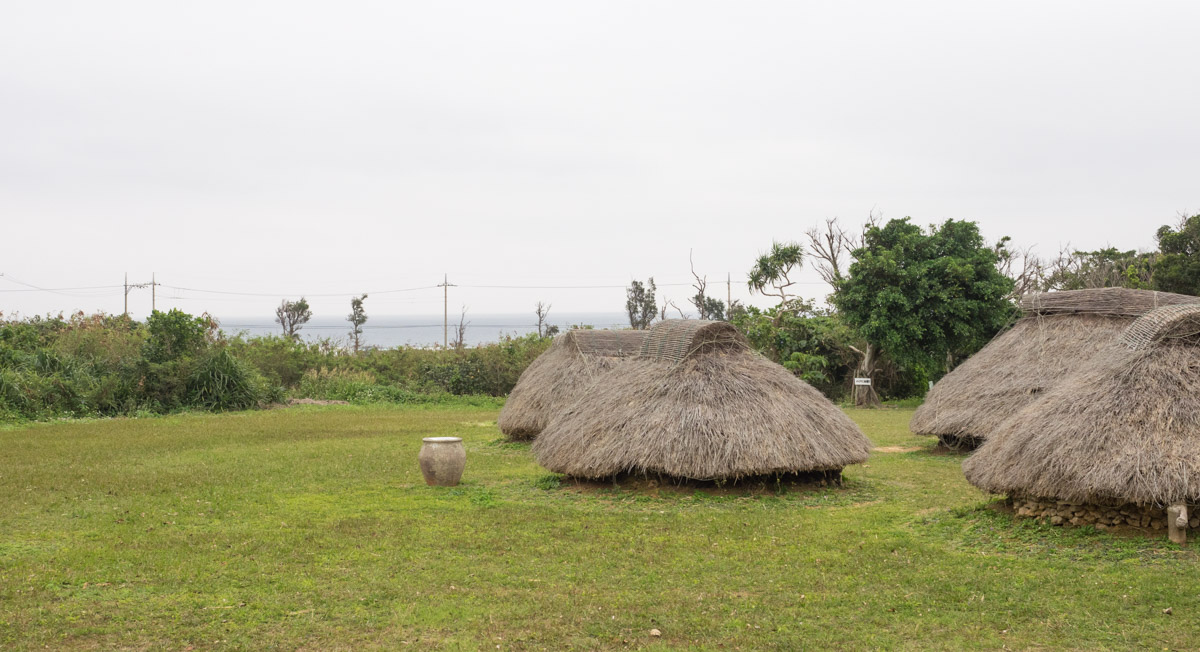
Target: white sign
point(862, 381)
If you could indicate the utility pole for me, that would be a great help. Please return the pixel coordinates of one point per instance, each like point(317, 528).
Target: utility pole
point(153, 294)
point(728, 293)
point(446, 285)
point(136, 286)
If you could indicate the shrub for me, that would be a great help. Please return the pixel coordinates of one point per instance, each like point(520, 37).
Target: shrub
point(222, 382)
point(176, 334)
point(109, 365)
point(283, 360)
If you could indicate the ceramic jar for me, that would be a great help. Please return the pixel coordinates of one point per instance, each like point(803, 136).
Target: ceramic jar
point(442, 460)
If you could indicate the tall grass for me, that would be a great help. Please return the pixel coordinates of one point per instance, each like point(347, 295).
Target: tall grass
point(101, 365)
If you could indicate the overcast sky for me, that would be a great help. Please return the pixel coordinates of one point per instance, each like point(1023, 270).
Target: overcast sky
point(287, 148)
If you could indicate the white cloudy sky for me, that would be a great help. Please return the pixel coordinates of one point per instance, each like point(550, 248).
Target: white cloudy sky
point(279, 148)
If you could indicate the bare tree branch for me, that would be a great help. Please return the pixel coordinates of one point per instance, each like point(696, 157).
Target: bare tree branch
point(460, 332)
point(831, 247)
point(543, 309)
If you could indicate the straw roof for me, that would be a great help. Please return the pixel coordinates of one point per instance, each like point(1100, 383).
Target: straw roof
point(1058, 333)
point(698, 403)
point(1124, 428)
point(1116, 302)
point(553, 380)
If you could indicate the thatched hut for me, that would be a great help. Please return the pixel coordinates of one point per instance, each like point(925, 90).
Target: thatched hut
point(1116, 441)
point(553, 380)
point(697, 403)
point(1058, 332)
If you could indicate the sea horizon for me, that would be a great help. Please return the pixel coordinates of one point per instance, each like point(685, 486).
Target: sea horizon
point(389, 331)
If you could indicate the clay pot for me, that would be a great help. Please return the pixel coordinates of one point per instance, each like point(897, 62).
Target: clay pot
point(442, 460)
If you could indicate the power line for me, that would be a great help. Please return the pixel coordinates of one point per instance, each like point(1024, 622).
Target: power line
point(29, 287)
point(281, 294)
point(89, 287)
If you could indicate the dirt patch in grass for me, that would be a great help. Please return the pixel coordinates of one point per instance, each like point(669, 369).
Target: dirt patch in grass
point(314, 401)
point(896, 449)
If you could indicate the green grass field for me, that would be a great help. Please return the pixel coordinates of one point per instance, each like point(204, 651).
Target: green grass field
point(311, 528)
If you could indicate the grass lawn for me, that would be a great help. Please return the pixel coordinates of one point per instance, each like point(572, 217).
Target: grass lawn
point(311, 528)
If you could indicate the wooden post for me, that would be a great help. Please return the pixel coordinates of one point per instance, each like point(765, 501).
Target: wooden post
point(1177, 522)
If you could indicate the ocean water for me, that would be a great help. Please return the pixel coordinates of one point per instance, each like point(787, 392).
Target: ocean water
point(387, 331)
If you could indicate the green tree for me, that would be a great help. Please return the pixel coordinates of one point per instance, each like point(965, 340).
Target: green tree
point(640, 305)
point(357, 317)
point(1103, 268)
point(174, 341)
point(774, 268)
point(176, 334)
point(923, 297)
point(709, 307)
point(813, 344)
point(1178, 266)
point(292, 316)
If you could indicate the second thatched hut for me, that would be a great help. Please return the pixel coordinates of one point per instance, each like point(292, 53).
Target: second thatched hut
point(1115, 443)
point(553, 380)
point(697, 403)
point(1057, 333)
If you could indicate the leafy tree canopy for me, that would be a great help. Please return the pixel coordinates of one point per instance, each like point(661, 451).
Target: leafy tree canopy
point(921, 296)
point(1103, 268)
point(773, 269)
point(640, 305)
point(176, 334)
point(709, 307)
point(292, 316)
point(1178, 265)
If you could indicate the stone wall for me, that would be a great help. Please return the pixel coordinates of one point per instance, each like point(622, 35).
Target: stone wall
point(1102, 516)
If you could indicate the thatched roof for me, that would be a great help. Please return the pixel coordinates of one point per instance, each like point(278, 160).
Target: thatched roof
point(699, 404)
point(1116, 302)
point(1058, 332)
point(1123, 428)
point(552, 381)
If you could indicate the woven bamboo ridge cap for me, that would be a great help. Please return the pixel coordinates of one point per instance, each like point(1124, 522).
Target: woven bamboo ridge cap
point(1122, 302)
point(1176, 321)
point(610, 343)
point(673, 340)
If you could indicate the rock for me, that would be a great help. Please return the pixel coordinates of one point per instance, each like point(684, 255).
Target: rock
point(1168, 611)
point(655, 632)
point(1056, 520)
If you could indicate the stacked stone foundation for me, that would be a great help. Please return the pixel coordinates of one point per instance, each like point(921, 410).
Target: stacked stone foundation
point(1102, 516)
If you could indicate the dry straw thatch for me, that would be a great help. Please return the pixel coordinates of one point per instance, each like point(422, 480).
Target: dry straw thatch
point(554, 379)
point(1059, 332)
point(699, 404)
point(1125, 428)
